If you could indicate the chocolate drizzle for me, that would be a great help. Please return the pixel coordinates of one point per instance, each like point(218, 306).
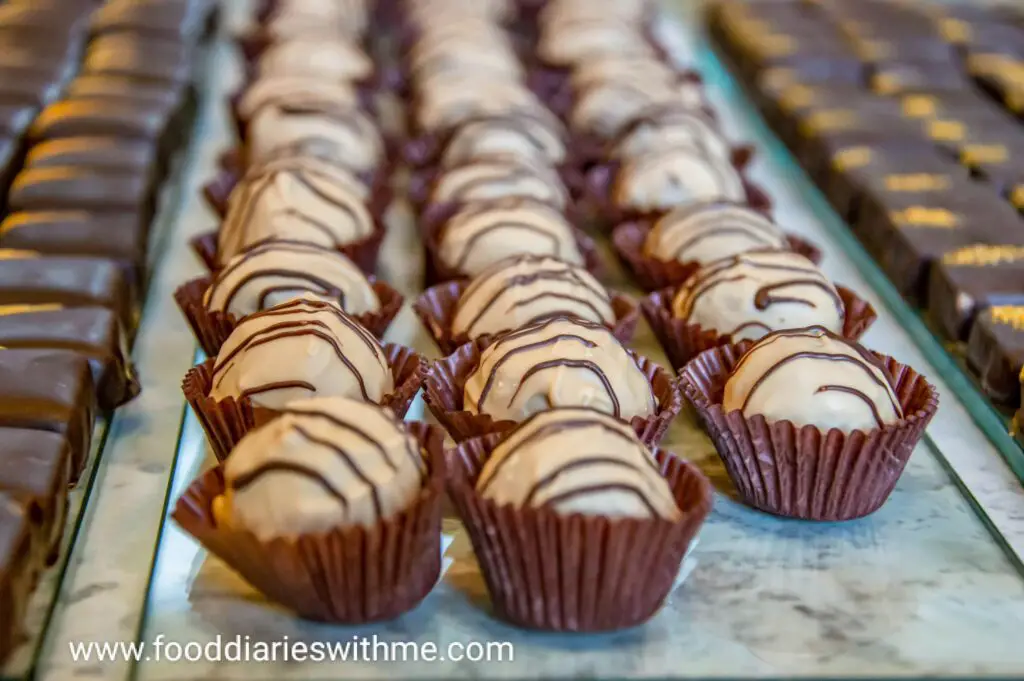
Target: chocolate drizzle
point(639, 172)
point(463, 180)
point(713, 219)
point(587, 364)
point(303, 325)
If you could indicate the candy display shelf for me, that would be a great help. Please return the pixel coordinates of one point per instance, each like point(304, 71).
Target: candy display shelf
point(930, 585)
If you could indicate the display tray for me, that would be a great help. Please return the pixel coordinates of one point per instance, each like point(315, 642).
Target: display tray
point(930, 585)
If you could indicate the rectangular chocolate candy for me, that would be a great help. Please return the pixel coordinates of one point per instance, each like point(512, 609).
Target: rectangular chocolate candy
point(36, 467)
point(79, 187)
point(18, 570)
point(969, 279)
point(995, 352)
point(69, 281)
point(117, 236)
point(100, 153)
point(93, 332)
point(49, 390)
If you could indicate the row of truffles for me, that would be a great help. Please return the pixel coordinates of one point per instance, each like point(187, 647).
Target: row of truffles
point(308, 185)
point(490, 186)
point(97, 100)
point(644, 121)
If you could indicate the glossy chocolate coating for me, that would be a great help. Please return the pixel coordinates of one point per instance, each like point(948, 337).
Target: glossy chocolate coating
point(130, 55)
point(577, 461)
point(77, 187)
point(18, 569)
point(100, 87)
point(99, 153)
point(164, 19)
point(49, 390)
point(117, 236)
point(970, 279)
point(36, 466)
point(98, 116)
point(93, 332)
point(995, 352)
point(69, 281)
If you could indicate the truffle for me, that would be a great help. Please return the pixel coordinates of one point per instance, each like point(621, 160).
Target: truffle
point(278, 91)
point(456, 99)
point(335, 60)
point(326, 353)
point(671, 125)
point(577, 461)
point(577, 42)
point(494, 177)
point(484, 232)
point(521, 134)
point(813, 377)
point(352, 135)
point(752, 294)
point(675, 175)
point(606, 108)
point(524, 290)
point(301, 200)
point(322, 464)
point(273, 272)
point(711, 230)
point(560, 362)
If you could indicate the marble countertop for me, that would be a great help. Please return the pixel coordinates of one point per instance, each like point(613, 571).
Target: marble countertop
point(929, 585)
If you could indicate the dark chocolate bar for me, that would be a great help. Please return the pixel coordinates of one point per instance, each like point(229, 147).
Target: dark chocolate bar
point(93, 332)
point(995, 352)
point(117, 236)
point(77, 281)
point(970, 279)
point(167, 20)
point(18, 570)
point(100, 153)
point(139, 57)
point(87, 86)
point(49, 390)
point(908, 76)
point(77, 187)
point(96, 116)
point(36, 466)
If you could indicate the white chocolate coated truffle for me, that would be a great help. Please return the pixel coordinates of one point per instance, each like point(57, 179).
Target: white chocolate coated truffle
point(352, 136)
point(669, 126)
point(577, 461)
point(299, 349)
point(336, 60)
point(578, 41)
point(675, 176)
point(711, 230)
point(607, 108)
point(813, 378)
point(558, 363)
point(500, 177)
point(521, 135)
point(485, 232)
point(282, 91)
point(752, 294)
point(525, 290)
point(275, 272)
point(324, 464)
point(302, 200)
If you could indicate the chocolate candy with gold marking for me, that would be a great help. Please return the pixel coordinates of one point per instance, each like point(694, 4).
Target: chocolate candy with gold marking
point(970, 279)
point(813, 377)
point(995, 351)
point(323, 464)
point(561, 362)
point(575, 460)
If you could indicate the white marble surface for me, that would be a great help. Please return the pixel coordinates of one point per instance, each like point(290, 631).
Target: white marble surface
point(919, 588)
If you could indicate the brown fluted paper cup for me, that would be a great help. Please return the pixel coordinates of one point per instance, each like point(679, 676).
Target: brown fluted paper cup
point(212, 328)
point(437, 305)
point(227, 421)
point(654, 273)
point(444, 385)
point(682, 341)
point(346, 576)
point(805, 472)
point(575, 573)
point(363, 252)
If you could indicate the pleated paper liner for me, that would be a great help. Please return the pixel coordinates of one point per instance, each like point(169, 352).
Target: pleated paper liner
point(346, 576)
point(227, 421)
point(432, 222)
point(575, 573)
point(682, 342)
point(595, 198)
point(806, 472)
point(217, 192)
point(436, 308)
point(363, 253)
point(653, 274)
point(212, 328)
point(444, 387)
